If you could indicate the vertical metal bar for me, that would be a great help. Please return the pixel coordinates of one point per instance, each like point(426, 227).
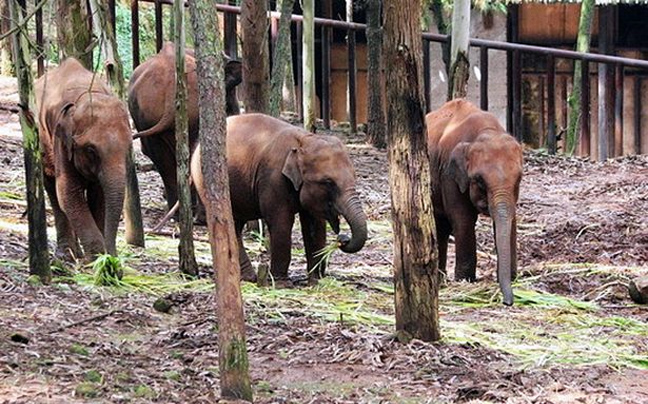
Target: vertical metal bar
point(551, 105)
point(426, 75)
point(352, 80)
point(326, 67)
point(40, 49)
point(300, 72)
point(541, 121)
point(585, 133)
point(511, 66)
point(606, 83)
point(112, 16)
point(159, 34)
point(483, 84)
point(135, 31)
point(517, 95)
point(618, 110)
point(231, 45)
point(637, 113)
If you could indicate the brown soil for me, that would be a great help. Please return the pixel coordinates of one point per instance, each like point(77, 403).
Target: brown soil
point(570, 211)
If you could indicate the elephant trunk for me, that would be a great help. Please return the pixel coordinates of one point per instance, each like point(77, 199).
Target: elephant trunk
point(113, 187)
point(351, 209)
point(503, 215)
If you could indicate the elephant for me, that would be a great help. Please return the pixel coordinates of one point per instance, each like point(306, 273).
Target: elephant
point(85, 136)
point(277, 170)
point(476, 167)
point(151, 101)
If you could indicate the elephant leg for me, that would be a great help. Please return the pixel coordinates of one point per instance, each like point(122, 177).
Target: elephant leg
point(67, 245)
point(247, 272)
point(161, 151)
point(280, 228)
point(71, 195)
point(97, 205)
point(314, 234)
point(443, 230)
point(466, 248)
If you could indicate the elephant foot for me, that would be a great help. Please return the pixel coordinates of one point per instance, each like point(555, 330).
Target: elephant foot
point(283, 283)
point(248, 275)
point(465, 274)
point(68, 253)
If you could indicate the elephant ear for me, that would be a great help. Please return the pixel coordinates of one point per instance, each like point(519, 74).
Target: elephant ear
point(63, 126)
point(233, 73)
point(457, 166)
point(291, 168)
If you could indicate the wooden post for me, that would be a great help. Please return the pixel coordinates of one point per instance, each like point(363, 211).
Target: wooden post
point(256, 63)
point(352, 69)
point(300, 68)
point(637, 113)
point(551, 105)
point(40, 49)
point(231, 43)
point(618, 110)
point(112, 15)
point(427, 87)
point(282, 59)
point(483, 84)
point(308, 65)
point(585, 118)
point(37, 227)
point(135, 31)
point(326, 67)
point(159, 34)
point(375, 111)
point(185, 247)
point(606, 97)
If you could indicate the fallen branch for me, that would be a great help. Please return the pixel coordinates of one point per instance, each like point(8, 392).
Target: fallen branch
point(88, 320)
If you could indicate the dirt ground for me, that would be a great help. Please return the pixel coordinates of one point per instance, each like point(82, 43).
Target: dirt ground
point(583, 231)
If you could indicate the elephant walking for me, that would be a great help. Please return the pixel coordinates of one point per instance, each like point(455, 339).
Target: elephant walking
point(476, 168)
point(278, 170)
point(151, 101)
point(85, 136)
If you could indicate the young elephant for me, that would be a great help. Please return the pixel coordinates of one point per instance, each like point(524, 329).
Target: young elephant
point(277, 170)
point(151, 101)
point(476, 168)
point(85, 137)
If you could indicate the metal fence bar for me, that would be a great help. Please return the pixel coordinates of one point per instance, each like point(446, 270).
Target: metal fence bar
point(483, 83)
point(40, 49)
point(352, 74)
point(637, 114)
point(551, 105)
point(427, 87)
point(618, 110)
point(585, 133)
point(159, 33)
point(300, 72)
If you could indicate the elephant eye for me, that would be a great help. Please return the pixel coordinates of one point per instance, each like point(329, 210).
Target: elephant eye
point(479, 180)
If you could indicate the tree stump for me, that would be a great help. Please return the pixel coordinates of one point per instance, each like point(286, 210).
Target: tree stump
point(638, 289)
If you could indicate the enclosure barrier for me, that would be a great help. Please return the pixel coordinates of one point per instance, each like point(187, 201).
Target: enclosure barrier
point(611, 83)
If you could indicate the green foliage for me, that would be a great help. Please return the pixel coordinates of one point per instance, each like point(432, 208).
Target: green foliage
point(108, 270)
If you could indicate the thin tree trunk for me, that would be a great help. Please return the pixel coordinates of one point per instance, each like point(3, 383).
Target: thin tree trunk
point(115, 76)
point(582, 45)
point(376, 113)
point(6, 57)
point(74, 28)
point(415, 259)
point(459, 64)
point(282, 57)
point(436, 7)
point(185, 247)
point(233, 360)
point(37, 234)
point(308, 64)
point(256, 69)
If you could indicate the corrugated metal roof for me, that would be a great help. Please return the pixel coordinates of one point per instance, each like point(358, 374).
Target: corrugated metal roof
point(598, 2)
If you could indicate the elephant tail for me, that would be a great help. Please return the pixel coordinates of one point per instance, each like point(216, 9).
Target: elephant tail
point(167, 121)
point(166, 218)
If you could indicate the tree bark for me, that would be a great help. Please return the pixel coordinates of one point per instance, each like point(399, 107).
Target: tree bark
point(582, 45)
point(415, 259)
point(282, 58)
point(74, 28)
point(115, 76)
point(376, 113)
point(37, 235)
point(6, 57)
point(459, 64)
point(308, 64)
point(186, 254)
point(233, 361)
point(254, 24)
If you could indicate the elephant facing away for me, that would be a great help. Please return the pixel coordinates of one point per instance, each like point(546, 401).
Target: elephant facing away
point(276, 171)
point(476, 168)
point(85, 136)
point(151, 101)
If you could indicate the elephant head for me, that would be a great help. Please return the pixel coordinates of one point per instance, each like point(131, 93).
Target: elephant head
point(93, 138)
point(489, 170)
point(319, 169)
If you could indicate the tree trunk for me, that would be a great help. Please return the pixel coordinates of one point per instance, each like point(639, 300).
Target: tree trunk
point(115, 76)
point(6, 57)
point(459, 64)
point(282, 57)
point(37, 235)
point(436, 7)
point(582, 45)
point(254, 24)
point(308, 64)
point(74, 28)
point(185, 247)
point(415, 260)
point(233, 361)
point(376, 113)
